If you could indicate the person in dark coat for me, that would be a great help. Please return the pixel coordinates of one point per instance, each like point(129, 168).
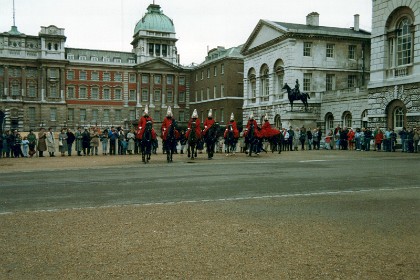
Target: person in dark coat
point(86, 142)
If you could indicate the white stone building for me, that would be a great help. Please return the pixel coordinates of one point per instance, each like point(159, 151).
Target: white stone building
point(394, 87)
point(331, 64)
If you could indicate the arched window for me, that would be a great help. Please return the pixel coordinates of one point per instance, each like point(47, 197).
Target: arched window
point(404, 42)
point(329, 122)
point(252, 86)
point(265, 83)
point(277, 121)
point(365, 119)
point(278, 79)
point(398, 117)
point(347, 119)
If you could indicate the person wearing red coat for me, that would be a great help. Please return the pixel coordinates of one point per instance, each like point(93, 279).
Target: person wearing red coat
point(266, 130)
point(378, 140)
point(196, 120)
point(350, 138)
point(142, 124)
point(232, 123)
point(248, 126)
point(208, 122)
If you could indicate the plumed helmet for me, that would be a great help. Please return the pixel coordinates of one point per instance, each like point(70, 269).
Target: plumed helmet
point(266, 117)
point(232, 117)
point(169, 112)
point(146, 111)
point(210, 115)
point(194, 114)
point(251, 117)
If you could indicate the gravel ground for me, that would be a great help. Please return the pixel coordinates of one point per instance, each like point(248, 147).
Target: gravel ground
point(351, 236)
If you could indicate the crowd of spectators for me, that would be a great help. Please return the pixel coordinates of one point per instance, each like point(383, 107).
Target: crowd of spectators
point(117, 141)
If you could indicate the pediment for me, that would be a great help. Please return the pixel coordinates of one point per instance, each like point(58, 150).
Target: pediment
point(263, 33)
point(158, 64)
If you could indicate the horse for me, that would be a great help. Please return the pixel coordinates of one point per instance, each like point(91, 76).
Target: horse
point(251, 140)
point(146, 143)
point(170, 143)
point(276, 142)
point(293, 95)
point(230, 141)
point(210, 138)
point(193, 140)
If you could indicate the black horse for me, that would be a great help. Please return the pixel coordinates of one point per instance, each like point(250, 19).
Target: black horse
point(193, 140)
point(230, 141)
point(276, 142)
point(293, 95)
point(210, 138)
point(171, 140)
point(251, 141)
point(146, 143)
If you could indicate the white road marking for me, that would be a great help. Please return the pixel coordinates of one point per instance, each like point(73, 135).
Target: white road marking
point(326, 193)
point(313, 160)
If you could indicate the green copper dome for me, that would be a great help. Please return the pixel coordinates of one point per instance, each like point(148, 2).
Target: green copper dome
point(155, 20)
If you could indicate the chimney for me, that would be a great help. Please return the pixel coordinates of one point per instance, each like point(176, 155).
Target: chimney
point(312, 19)
point(356, 22)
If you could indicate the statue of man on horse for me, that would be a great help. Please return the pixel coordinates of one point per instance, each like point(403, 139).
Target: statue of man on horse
point(296, 94)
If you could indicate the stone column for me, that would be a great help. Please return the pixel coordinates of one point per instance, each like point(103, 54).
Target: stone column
point(6, 81)
point(151, 83)
point(23, 89)
point(163, 91)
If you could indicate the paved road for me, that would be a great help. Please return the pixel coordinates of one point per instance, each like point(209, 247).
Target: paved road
point(234, 178)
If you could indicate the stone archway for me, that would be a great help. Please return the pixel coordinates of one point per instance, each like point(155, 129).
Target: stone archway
point(277, 122)
point(396, 114)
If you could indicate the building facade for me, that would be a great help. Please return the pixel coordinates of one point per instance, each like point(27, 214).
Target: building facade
point(394, 87)
point(45, 84)
point(217, 84)
point(331, 65)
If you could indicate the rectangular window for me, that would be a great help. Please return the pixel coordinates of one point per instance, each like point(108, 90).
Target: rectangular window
point(94, 93)
point(15, 90)
point(170, 96)
point(70, 114)
point(181, 97)
point(144, 95)
point(95, 114)
point(151, 49)
point(202, 74)
point(330, 82)
point(53, 73)
point(132, 78)
point(106, 94)
point(208, 93)
point(215, 71)
point(201, 95)
point(82, 93)
point(106, 115)
point(83, 76)
point(31, 113)
point(156, 95)
point(117, 60)
point(144, 79)
point(95, 76)
point(53, 91)
point(94, 58)
point(106, 59)
point(164, 50)
point(182, 81)
point(132, 115)
point(215, 92)
point(352, 52)
point(117, 94)
point(307, 81)
point(222, 116)
point(82, 115)
point(132, 95)
point(196, 77)
point(351, 81)
point(70, 92)
point(156, 115)
point(118, 115)
point(157, 79)
point(131, 61)
point(118, 77)
point(196, 96)
point(222, 90)
point(70, 75)
point(330, 50)
point(208, 73)
point(106, 77)
point(170, 80)
point(307, 49)
point(157, 49)
point(222, 69)
point(31, 91)
point(181, 116)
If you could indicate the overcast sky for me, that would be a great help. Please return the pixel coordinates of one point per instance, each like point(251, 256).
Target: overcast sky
point(199, 24)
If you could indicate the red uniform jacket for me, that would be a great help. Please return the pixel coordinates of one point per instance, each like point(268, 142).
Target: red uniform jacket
point(207, 124)
point(234, 128)
point(248, 127)
point(197, 128)
point(142, 125)
point(165, 126)
point(267, 131)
